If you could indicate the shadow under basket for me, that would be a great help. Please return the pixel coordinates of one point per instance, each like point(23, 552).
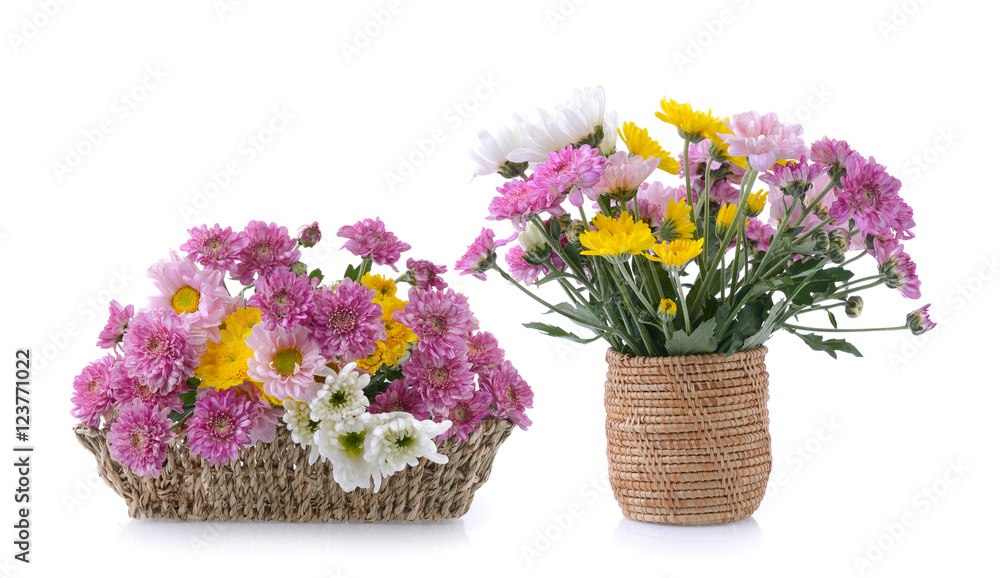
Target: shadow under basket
point(274, 482)
point(688, 439)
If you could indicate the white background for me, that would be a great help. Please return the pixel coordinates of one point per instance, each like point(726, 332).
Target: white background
point(856, 441)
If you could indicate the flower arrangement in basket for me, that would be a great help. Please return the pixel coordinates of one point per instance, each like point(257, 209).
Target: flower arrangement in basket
point(214, 404)
point(686, 280)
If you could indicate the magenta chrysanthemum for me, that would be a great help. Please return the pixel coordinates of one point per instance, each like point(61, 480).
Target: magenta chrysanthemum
point(92, 392)
point(114, 331)
point(214, 248)
point(284, 299)
point(519, 200)
point(369, 239)
point(285, 362)
point(199, 297)
point(763, 139)
point(522, 270)
point(220, 425)
point(466, 415)
point(266, 248)
point(622, 175)
point(125, 389)
point(138, 438)
point(481, 255)
point(899, 270)
point(440, 381)
point(484, 351)
point(161, 350)
point(345, 321)
point(567, 170)
point(869, 195)
point(794, 177)
point(760, 233)
point(439, 318)
point(423, 274)
point(510, 394)
point(828, 151)
point(400, 397)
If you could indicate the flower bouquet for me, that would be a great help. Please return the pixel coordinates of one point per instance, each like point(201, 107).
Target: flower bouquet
point(296, 399)
point(686, 280)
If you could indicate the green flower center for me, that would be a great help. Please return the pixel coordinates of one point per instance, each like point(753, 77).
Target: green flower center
point(353, 443)
point(286, 360)
point(404, 441)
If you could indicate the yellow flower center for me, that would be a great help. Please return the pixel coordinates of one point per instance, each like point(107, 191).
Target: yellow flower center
point(186, 300)
point(287, 360)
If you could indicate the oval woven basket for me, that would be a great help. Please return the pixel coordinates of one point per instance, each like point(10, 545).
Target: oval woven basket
point(274, 482)
point(688, 439)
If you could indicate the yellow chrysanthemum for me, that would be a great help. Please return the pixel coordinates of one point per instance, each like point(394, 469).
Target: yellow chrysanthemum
point(755, 202)
point(616, 237)
point(639, 143)
point(240, 322)
point(726, 216)
point(398, 337)
point(677, 222)
point(385, 287)
point(674, 256)
point(667, 309)
point(692, 125)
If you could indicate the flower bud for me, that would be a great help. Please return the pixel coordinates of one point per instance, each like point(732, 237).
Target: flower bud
point(310, 235)
point(299, 268)
point(574, 230)
point(919, 321)
point(536, 250)
point(667, 310)
point(853, 306)
point(821, 241)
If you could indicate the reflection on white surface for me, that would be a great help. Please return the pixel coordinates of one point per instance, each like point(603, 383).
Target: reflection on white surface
point(694, 541)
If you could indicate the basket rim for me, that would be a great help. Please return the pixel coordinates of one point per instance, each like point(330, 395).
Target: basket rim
point(696, 358)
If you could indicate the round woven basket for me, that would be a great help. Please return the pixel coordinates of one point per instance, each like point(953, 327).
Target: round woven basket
point(275, 482)
point(688, 438)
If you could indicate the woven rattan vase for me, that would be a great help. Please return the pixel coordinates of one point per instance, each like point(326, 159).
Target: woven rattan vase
point(688, 438)
point(275, 482)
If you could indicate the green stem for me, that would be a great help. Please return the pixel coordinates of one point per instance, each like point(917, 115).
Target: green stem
point(556, 246)
point(676, 281)
point(831, 330)
point(638, 292)
point(548, 305)
point(647, 341)
point(809, 209)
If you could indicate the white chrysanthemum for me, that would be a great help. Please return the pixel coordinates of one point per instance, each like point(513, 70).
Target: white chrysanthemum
point(344, 444)
point(610, 141)
point(399, 440)
point(573, 121)
point(302, 428)
point(342, 395)
point(491, 154)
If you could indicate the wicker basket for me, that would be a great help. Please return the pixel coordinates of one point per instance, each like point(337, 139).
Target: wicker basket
point(275, 482)
point(688, 438)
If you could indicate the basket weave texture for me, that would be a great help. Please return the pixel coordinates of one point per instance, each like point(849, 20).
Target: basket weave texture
point(274, 482)
point(688, 439)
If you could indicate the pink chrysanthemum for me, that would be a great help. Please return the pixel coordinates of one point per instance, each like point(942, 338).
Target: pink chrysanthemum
point(161, 350)
point(830, 152)
point(622, 174)
point(760, 234)
point(199, 297)
point(114, 331)
point(522, 270)
point(794, 177)
point(652, 198)
point(899, 270)
point(400, 397)
point(125, 389)
point(220, 425)
point(214, 248)
point(481, 255)
point(263, 416)
point(310, 235)
point(519, 199)
point(423, 274)
point(484, 351)
point(345, 321)
point(92, 392)
point(814, 218)
point(723, 192)
point(511, 395)
point(902, 222)
point(285, 362)
point(919, 321)
point(869, 195)
point(440, 381)
point(763, 139)
point(439, 318)
point(369, 239)
point(466, 415)
point(569, 169)
point(266, 248)
point(138, 439)
point(284, 299)
point(698, 156)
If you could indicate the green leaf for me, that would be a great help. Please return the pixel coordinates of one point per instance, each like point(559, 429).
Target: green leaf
point(351, 273)
point(187, 401)
point(553, 331)
point(588, 318)
point(833, 319)
point(316, 273)
point(831, 346)
point(701, 340)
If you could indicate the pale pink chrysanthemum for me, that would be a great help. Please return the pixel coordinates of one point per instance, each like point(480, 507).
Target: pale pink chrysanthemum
point(760, 234)
point(138, 439)
point(481, 255)
point(369, 239)
point(484, 352)
point(220, 425)
point(569, 169)
point(92, 392)
point(266, 248)
point(439, 318)
point(652, 198)
point(285, 362)
point(114, 330)
point(519, 200)
point(510, 394)
point(125, 389)
point(764, 140)
point(198, 296)
point(423, 274)
point(466, 415)
point(868, 195)
point(400, 398)
point(284, 299)
point(622, 174)
point(345, 322)
point(441, 381)
point(521, 270)
point(214, 248)
point(899, 270)
point(162, 350)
